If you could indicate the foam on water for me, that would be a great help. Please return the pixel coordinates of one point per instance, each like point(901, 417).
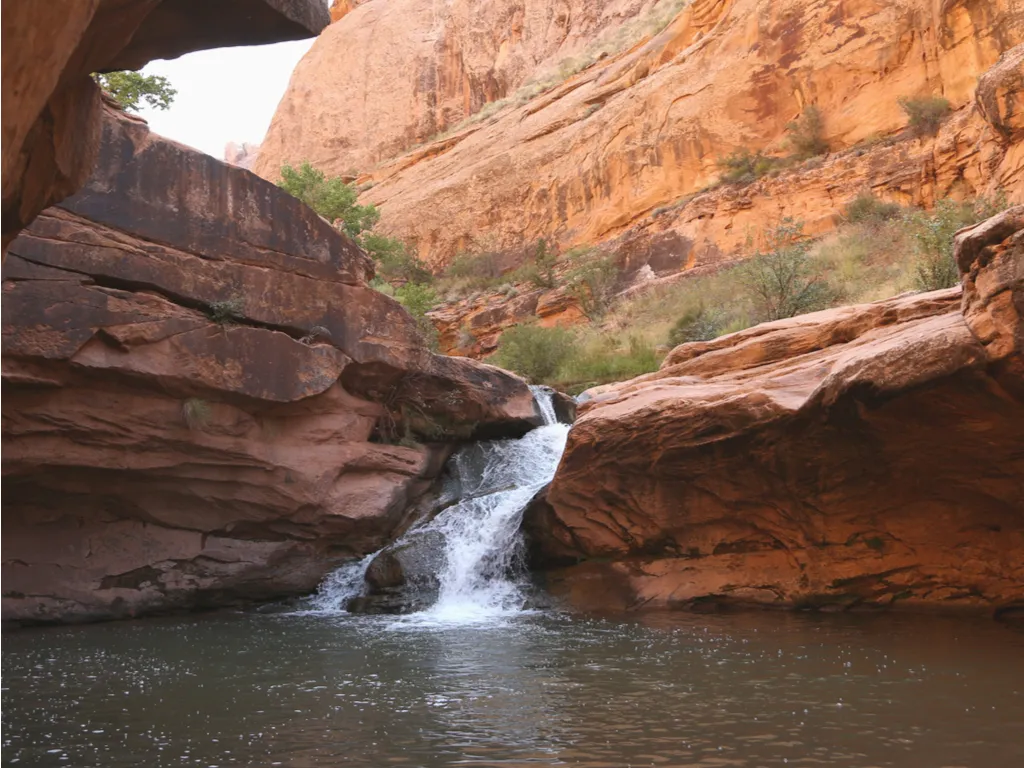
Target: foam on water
point(483, 576)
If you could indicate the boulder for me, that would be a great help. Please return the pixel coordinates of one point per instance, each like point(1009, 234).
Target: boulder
point(203, 401)
point(867, 455)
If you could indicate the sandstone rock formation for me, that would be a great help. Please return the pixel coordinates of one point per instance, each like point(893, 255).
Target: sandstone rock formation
point(624, 148)
point(203, 401)
point(52, 107)
point(388, 75)
point(862, 456)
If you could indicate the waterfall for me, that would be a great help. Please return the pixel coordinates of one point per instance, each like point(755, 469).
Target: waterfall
point(476, 548)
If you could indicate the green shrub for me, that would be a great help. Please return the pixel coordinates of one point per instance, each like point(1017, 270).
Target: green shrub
point(700, 324)
point(932, 237)
point(331, 197)
point(593, 282)
point(866, 208)
point(744, 166)
point(783, 281)
point(130, 89)
point(393, 260)
point(195, 413)
point(605, 360)
point(540, 270)
point(419, 299)
point(534, 352)
point(925, 114)
point(227, 311)
point(806, 134)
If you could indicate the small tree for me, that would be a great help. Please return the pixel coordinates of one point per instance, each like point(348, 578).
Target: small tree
point(806, 134)
point(542, 271)
point(932, 235)
point(331, 197)
point(782, 281)
point(535, 352)
point(593, 284)
point(394, 262)
point(925, 114)
point(130, 89)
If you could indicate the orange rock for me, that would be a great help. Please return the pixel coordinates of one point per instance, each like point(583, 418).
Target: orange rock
point(593, 158)
point(388, 75)
point(865, 455)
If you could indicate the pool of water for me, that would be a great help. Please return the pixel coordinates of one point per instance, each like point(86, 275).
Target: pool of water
point(541, 689)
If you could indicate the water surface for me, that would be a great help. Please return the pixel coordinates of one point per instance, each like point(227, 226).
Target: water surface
point(539, 689)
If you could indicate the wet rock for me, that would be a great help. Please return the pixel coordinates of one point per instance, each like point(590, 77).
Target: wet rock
point(867, 455)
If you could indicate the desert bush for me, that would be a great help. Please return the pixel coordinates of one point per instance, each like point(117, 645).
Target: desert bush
point(806, 134)
point(539, 271)
point(534, 352)
point(925, 114)
point(782, 281)
point(744, 166)
point(419, 299)
point(866, 208)
point(699, 324)
point(331, 197)
point(592, 282)
point(605, 359)
point(932, 233)
point(393, 260)
point(227, 311)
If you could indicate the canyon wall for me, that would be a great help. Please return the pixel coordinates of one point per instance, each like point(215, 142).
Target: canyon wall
point(203, 401)
point(618, 149)
point(864, 456)
point(388, 75)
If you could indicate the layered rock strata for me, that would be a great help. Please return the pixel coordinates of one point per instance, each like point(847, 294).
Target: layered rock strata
point(203, 401)
point(865, 456)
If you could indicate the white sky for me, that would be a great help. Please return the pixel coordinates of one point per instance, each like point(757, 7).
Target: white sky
point(227, 94)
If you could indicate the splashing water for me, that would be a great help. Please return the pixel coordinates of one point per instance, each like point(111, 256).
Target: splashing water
point(342, 585)
point(482, 573)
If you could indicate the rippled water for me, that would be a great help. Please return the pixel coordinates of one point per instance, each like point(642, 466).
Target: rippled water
point(540, 689)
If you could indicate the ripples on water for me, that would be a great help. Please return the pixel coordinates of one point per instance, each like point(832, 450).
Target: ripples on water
point(534, 690)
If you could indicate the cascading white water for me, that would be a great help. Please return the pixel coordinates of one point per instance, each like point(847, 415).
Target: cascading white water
point(481, 575)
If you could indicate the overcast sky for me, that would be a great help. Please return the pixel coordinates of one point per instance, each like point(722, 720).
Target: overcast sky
point(227, 94)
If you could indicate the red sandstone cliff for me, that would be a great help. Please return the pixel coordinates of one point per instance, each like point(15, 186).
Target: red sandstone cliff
point(202, 398)
point(595, 156)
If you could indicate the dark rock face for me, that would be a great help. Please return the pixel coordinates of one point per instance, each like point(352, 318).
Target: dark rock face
point(862, 456)
point(52, 107)
point(196, 384)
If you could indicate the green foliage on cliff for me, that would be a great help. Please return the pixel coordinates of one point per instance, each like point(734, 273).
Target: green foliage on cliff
point(331, 197)
point(782, 280)
point(130, 89)
point(806, 134)
point(925, 113)
point(534, 352)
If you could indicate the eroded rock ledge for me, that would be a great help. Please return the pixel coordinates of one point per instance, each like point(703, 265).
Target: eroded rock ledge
point(869, 455)
point(203, 401)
